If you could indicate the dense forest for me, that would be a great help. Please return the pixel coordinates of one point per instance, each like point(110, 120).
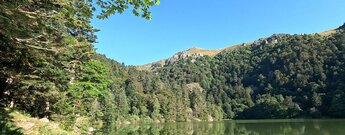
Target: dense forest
point(49, 68)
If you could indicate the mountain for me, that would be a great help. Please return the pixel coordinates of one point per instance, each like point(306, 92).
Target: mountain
point(282, 76)
point(195, 53)
point(192, 53)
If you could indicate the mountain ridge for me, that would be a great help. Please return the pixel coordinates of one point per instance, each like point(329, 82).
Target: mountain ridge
point(196, 52)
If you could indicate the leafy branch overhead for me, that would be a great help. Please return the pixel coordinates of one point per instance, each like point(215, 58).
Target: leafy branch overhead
point(140, 7)
point(63, 16)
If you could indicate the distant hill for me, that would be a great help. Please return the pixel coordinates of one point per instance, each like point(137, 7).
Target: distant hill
point(196, 52)
point(192, 52)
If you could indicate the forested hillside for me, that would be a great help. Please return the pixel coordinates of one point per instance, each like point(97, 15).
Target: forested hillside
point(49, 68)
point(283, 76)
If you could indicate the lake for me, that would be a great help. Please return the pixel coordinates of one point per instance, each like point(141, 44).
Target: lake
point(238, 127)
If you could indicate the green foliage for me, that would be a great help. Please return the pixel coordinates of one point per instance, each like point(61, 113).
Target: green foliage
point(46, 66)
point(337, 108)
point(6, 125)
point(268, 107)
point(49, 68)
point(89, 96)
point(140, 7)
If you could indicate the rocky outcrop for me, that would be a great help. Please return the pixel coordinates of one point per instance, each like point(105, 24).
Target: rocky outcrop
point(195, 53)
point(183, 55)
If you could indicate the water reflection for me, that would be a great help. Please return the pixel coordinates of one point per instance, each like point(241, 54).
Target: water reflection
point(259, 127)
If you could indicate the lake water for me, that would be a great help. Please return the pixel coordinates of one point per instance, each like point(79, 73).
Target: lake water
point(240, 127)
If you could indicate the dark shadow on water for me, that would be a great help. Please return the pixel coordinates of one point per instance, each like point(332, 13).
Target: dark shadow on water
point(258, 127)
point(6, 127)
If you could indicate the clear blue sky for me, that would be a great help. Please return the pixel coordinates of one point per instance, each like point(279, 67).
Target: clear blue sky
point(211, 24)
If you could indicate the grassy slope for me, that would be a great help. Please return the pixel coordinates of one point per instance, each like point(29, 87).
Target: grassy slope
point(213, 53)
point(205, 52)
point(24, 124)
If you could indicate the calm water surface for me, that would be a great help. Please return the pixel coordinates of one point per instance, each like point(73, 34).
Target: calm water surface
point(241, 127)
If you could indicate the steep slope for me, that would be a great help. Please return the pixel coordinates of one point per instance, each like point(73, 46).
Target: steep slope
point(283, 76)
point(195, 52)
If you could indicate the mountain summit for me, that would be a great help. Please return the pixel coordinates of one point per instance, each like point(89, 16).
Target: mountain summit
point(193, 53)
point(196, 52)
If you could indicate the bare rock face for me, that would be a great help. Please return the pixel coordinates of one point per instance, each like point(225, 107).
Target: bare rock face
point(26, 125)
point(183, 55)
point(193, 54)
point(45, 120)
point(91, 130)
point(270, 40)
point(126, 122)
point(210, 118)
point(194, 87)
